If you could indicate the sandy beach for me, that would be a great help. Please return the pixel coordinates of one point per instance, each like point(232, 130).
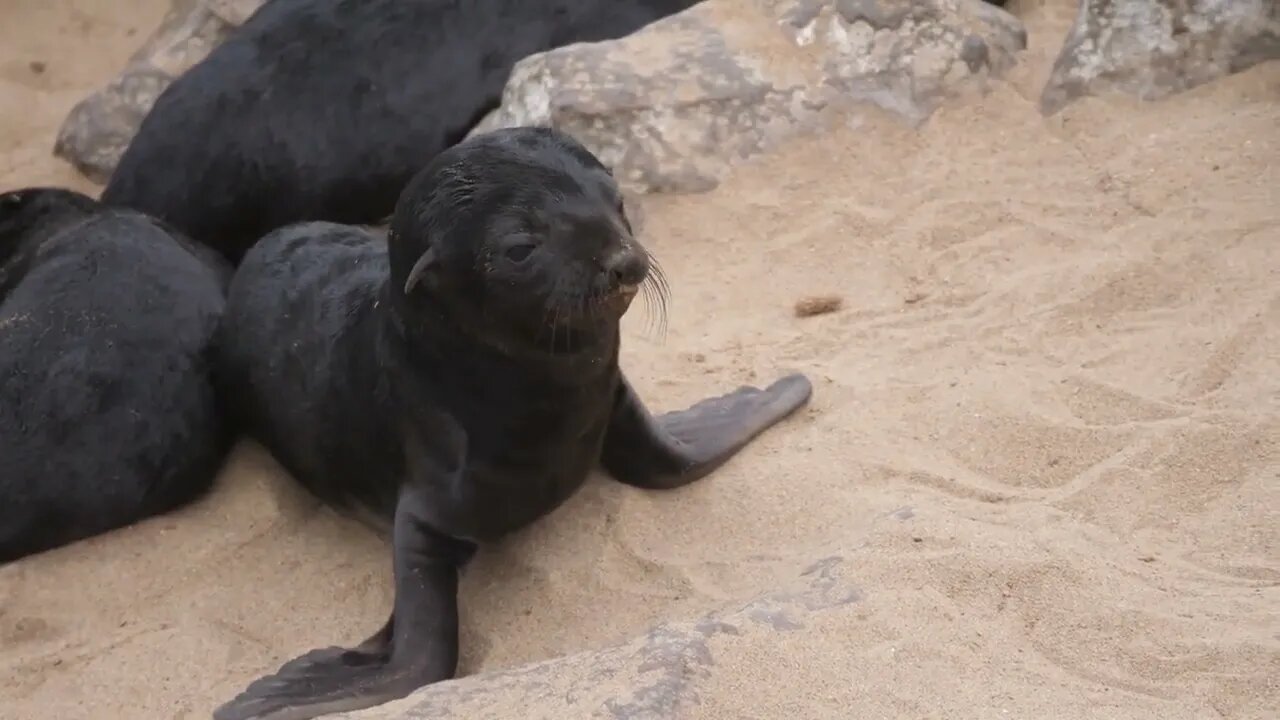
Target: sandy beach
point(1044, 439)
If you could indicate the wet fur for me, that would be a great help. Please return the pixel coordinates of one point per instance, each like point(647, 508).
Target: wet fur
point(324, 109)
point(107, 408)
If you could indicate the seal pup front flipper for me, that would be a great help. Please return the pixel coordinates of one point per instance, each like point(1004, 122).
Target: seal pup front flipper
point(417, 646)
point(679, 447)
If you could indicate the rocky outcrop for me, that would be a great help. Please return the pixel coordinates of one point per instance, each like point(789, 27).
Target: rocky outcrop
point(656, 677)
point(1154, 48)
point(672, 106)
point(97, 130)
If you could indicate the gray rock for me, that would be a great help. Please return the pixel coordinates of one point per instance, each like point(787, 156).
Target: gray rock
point(655, 677)
point(234, 12)
point(1155, 48)
point(674, 105)
point(96, 131)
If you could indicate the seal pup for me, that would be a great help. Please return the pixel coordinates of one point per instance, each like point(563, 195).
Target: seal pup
point(324, 109)
point(461, 381)
point(107, 406)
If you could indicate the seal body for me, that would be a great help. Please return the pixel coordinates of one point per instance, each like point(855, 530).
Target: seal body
point(324, 109)
point(108, 412)
point(348, 401)
point(460, 380)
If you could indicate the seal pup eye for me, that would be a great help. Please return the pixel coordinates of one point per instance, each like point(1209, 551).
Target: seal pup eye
point(519, 250)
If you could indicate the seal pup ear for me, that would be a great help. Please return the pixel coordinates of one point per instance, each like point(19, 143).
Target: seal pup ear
point(419, 269)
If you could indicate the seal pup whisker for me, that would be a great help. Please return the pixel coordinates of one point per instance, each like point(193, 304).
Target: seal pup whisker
point(470, 425)
point(549, 320)
point(656, 294)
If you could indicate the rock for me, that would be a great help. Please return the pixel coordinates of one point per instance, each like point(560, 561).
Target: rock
point(673, 105)
point(655, 677)
point(97, 130)
point(1154, 48)
point(234, 12)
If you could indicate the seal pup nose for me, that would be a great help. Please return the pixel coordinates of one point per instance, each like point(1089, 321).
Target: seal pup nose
point(626, 268)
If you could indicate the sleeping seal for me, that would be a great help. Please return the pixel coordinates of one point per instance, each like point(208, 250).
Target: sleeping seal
point(324, 109)
point(107, 405)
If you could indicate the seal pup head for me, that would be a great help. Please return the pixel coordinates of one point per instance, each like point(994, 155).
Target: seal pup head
point(521, 235)
point(31, 216)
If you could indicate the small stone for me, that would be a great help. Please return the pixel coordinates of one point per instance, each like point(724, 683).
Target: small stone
point(818, 305)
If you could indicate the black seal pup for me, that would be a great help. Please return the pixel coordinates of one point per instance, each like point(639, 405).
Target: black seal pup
point(107, 405)
point(324, 109)
point(461, 381)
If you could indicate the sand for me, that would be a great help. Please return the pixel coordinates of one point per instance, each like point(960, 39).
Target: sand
point(1045, 433)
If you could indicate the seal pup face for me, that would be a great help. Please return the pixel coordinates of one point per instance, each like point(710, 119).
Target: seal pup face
point(521, 232)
